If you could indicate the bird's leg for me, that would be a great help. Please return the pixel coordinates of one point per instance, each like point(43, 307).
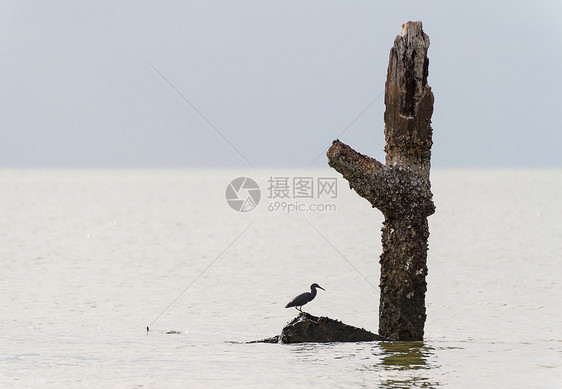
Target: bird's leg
point(300, 310)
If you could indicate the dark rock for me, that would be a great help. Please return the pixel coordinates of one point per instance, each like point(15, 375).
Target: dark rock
point(308, 328)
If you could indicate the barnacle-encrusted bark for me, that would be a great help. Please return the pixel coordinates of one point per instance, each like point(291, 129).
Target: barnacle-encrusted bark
point(400, 188)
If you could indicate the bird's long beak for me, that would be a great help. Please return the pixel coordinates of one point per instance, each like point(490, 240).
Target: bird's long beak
point(322, 288)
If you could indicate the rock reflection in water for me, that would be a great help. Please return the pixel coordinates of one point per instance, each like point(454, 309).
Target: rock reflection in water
point(405, 355)
point(406, 359)
point(403, 365)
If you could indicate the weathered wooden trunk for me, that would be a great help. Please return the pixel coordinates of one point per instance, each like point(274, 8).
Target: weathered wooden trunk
point(400, 188)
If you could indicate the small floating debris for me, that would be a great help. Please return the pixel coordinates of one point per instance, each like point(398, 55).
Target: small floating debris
point(168, 332)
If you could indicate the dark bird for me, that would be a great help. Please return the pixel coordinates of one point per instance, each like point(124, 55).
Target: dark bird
point(304, 298)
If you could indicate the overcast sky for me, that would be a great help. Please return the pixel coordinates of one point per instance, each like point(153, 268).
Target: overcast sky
point(83, 81)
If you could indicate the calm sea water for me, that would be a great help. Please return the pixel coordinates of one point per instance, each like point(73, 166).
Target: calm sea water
point(89, 258)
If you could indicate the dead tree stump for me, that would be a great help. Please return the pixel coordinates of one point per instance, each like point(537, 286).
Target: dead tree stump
point(400, 189)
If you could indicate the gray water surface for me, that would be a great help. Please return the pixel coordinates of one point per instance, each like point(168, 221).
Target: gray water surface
point(89, 258)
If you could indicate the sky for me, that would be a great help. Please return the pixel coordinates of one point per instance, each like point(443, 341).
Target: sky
point(270, 83)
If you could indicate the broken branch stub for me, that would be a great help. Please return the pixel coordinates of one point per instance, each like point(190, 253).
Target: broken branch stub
point(400, 188)
point(408, 99)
